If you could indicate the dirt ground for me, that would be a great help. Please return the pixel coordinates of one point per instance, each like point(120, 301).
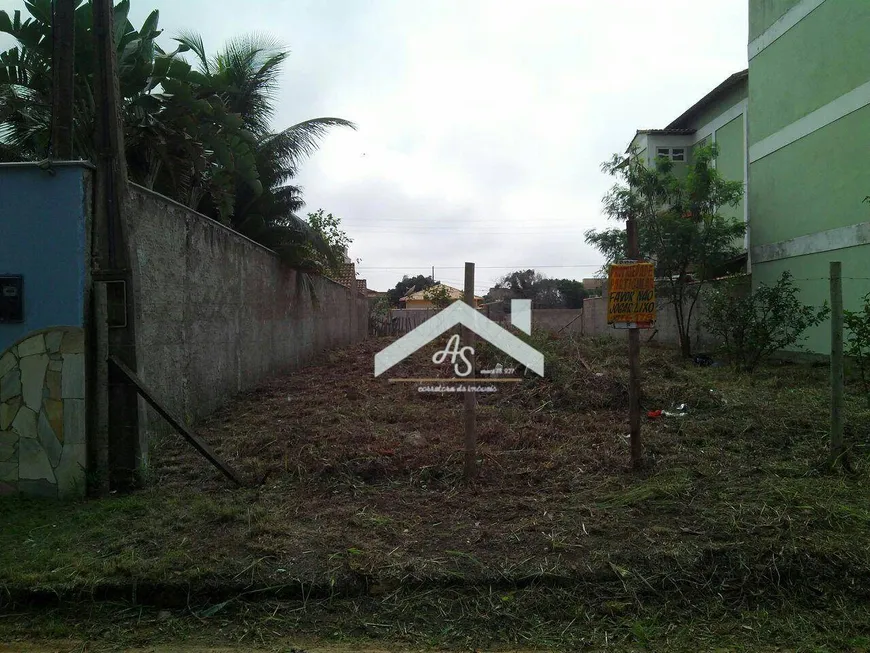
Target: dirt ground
point(356, 522)
point(296, 647)
point(367, 474)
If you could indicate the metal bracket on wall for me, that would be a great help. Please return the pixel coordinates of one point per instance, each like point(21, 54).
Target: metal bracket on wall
point(116, 303)
point(11, 298)
point(116, 296)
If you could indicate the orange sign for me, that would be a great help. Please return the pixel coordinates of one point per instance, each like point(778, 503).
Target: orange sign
point(631, 299)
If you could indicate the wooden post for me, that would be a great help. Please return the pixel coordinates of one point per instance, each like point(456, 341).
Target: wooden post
point(837, 453)
point(111, 254)
point(634, 363)
point(470, 397)
point(63, 31)
point(98, 394)
point(176, 423)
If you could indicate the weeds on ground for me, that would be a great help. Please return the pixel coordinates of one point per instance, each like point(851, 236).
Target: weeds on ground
point(362, 518)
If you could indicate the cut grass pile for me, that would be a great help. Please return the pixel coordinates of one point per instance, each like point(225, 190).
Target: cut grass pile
point(361, 510)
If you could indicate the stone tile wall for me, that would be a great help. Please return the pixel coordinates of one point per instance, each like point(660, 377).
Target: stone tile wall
point(42, 414)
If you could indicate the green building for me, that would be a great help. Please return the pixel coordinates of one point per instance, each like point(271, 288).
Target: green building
point(809, 147)
point(795, 128)
point(719, 117)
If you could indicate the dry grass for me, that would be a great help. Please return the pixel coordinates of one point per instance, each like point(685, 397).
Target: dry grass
point(361, 505)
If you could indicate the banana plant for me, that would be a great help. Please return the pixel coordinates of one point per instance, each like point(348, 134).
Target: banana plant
point(199, 134)
point(180, 137)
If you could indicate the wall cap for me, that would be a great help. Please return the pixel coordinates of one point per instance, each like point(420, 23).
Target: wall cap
point(233, 232)
point(41, 165)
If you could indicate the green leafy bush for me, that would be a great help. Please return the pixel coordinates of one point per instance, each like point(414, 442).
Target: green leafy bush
point(752, 326)
point(679, 226)
point(438, 295)
point(857, 324)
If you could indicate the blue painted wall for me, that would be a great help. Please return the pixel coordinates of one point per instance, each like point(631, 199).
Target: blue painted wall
point(43, 236)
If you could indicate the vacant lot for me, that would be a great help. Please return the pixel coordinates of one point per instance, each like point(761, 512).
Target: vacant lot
point(357, 523)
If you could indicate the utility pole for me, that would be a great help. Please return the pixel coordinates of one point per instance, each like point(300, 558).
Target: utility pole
point(433, 273)
point(63, 32)
point(634, 362)
point(98, 395)
point(470, 397)
point(837, 451)
point(112, 260)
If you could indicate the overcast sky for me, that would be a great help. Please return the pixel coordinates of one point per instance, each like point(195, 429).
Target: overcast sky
point(482, 124)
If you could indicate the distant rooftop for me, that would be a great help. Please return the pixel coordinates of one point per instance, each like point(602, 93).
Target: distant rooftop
point(671, 132)
point(346, 276)
point(453, 293)
point(678, 127)
point(701, 104)
point(659, 132)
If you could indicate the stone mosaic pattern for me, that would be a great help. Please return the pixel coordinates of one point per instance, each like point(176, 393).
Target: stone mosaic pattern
point(42, 415)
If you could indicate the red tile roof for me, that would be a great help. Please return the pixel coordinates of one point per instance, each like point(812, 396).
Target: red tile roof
point(347, 275)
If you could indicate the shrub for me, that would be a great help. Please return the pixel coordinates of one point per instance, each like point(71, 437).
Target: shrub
point(438, 295)
point(857, 324)
point(754, 325)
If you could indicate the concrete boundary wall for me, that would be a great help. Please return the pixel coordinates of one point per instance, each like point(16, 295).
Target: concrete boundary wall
point(218, 313)
point(559, 320)
point(666, 332)
point(665, 329)
point(563, 320)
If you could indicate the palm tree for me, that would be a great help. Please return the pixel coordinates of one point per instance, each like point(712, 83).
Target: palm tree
point(173, 140)
point(200, 136)
point(245, 74)
point(26, 80)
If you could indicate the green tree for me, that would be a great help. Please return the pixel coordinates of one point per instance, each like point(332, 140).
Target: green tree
point(180, 140)
point(244, 74)
point(438, 295)
point(544, 292)
point(199, 136)
point(680, 228)
point(523, 284)
point(408, 285)
point(329, 257)
point(572, 291)
point(857, 324)
point(752, 326)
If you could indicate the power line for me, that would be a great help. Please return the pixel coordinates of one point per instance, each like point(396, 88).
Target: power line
point(417, 232)
point(482, 267)
point(828, 279)
point(448, 223)
point(466, 220)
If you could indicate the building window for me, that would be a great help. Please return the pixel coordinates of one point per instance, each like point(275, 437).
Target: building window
point(672, 153)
